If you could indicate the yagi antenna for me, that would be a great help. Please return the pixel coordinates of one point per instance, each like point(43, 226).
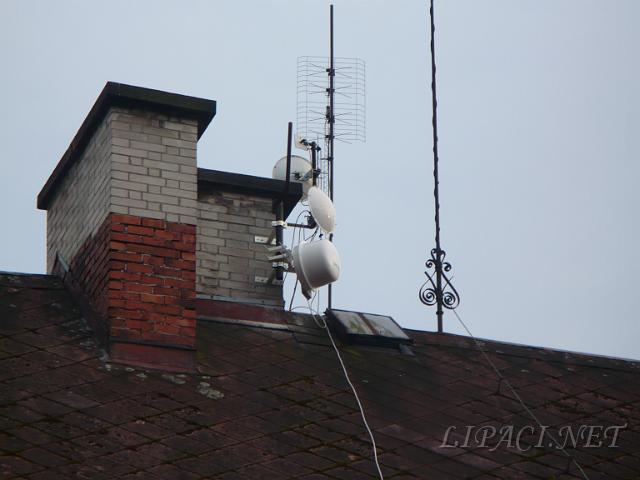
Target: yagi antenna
point(349, 101)
point(330, 106)
point(315, 120)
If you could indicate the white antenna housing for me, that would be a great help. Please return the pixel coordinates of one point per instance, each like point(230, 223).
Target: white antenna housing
point(316, 264)
point(322, 209)
point(301, 143)
point(300, 172)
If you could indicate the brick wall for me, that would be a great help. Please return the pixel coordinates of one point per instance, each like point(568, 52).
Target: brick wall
point(137, 163)
point(151, 288)
point(90, 267)
point(227, 257)
point(153, 172)
point(82, 201)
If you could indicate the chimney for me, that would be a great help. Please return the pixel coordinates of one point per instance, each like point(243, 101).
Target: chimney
point(145, 239)
point(121, 221)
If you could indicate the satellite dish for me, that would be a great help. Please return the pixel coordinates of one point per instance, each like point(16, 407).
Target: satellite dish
point(300, 172)
point(322, 209)
point(317, 264)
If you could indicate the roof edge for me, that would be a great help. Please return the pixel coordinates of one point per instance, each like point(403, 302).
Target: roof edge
point(502, 347)
point(123, 95)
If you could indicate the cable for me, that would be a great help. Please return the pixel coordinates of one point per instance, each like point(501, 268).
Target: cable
point(515, 394)
point(295, 286)
point(306, 307)
point(323, 324)
point(312, 236)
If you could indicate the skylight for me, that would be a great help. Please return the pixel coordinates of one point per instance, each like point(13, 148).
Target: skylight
point(367, 328)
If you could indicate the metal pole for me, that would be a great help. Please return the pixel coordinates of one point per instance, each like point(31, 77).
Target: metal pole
point(331, 102)
point(331, 118)
point(314, 163)
point(289, 139)
point(436, 195)
point(437, 289)
point(279, 207)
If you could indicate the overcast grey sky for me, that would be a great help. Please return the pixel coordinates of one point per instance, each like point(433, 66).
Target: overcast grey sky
point(538, 118)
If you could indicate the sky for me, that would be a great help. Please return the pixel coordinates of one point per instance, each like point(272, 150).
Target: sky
point(538, 127)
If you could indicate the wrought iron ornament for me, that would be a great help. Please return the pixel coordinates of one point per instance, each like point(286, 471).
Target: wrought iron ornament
point(429, 290)
point(437, 289)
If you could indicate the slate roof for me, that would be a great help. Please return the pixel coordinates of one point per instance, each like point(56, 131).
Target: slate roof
point(272, 403)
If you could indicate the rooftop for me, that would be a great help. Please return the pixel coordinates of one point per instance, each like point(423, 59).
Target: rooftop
point(269, 401)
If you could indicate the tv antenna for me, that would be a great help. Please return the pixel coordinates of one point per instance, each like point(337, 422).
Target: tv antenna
point(330, 106)
point(437, 289)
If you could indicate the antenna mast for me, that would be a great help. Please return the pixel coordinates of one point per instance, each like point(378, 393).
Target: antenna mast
point(439, 292)
point(331, 107)
point(331, 121)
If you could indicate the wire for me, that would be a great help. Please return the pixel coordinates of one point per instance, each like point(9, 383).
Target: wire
point(323, 324)
point(515, 394)
point(295, 286)
point(312, 236)
point(306, 307)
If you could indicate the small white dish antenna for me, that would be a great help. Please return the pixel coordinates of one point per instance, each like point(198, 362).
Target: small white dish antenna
point(301, 143)
point(300, 172)
point(322, 209)
point(316, 264)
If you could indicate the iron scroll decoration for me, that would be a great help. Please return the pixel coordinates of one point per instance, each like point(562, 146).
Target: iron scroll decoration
point(429, 292)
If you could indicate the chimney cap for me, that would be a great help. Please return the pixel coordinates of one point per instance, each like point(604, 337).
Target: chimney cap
point(209, 180)
point(129, 96)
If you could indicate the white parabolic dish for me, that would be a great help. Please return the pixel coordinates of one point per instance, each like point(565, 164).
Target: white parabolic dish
point(322, 209)
point(317, 264)
point(300, 167)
